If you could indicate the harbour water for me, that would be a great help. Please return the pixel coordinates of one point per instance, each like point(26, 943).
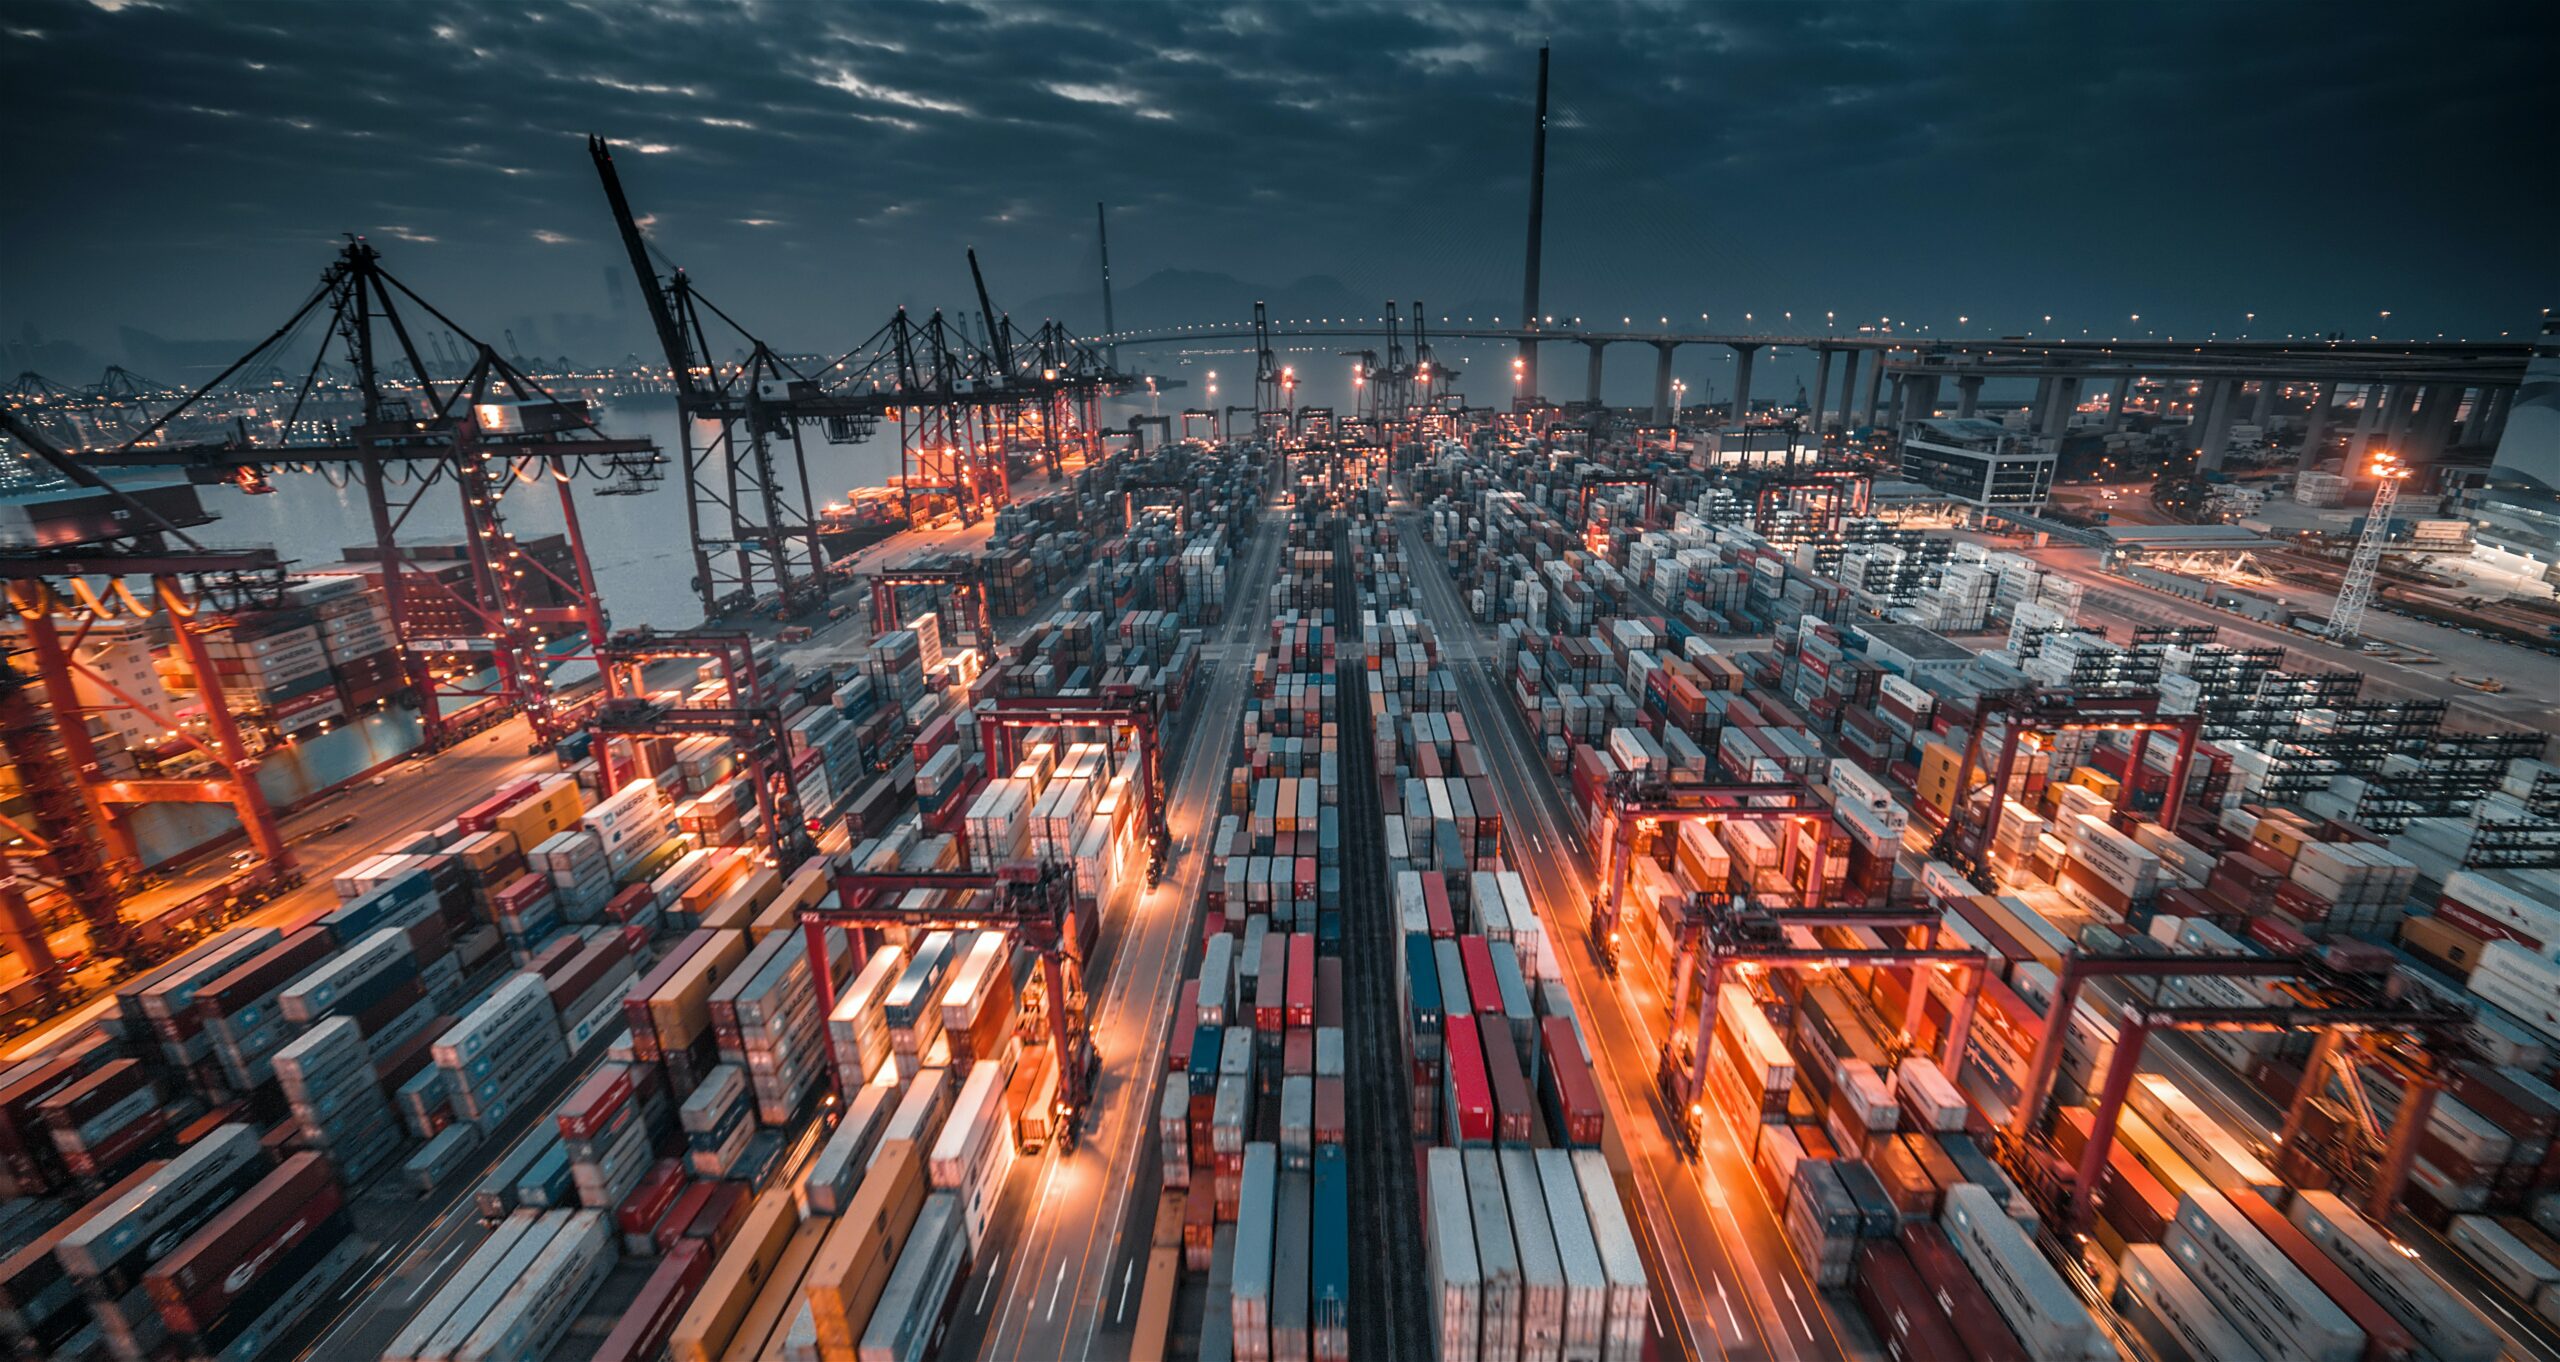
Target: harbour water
point(636, 544)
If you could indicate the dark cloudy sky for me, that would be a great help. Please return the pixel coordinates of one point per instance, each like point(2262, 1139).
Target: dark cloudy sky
point(183, 168)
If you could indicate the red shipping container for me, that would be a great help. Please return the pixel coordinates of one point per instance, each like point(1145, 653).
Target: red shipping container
point(483, 816)
point(1468, 1093)
point(596, 1102)
point(1329, 1111)
point(1573, 1100)
point(1958, 1296)
point(2386, 1339)
point(640, 1212)
point(1302, 980)
point(1329, 990)
point(1902, 1308)
point(681, 1216)
point(645, 1325)
point(520, 893)
point(1298, 1053)
point(721, 1214)
point(1483, 985)
point(1515, 1115)
point(198, 1280)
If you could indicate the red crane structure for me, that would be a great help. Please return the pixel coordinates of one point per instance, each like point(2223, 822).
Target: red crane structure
point(1723, 933)
point(964, 588)
point(1809, 504)
point(1030, 902)
point(1635, 804)
point(2314, 997)
point(83, 840)
point(965, 409)
point(1000, 716)
point(749, 714)
point(1965, 840)
point(1582, 496)
point(489, 433)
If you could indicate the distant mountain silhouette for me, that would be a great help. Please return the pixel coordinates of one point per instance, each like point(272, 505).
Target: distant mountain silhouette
point(177, 360)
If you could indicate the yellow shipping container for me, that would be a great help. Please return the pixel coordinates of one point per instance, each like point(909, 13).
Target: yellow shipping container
point(852, 1266)
point(1939, 763)
point(806, 886)
point(681, 1009)
point(712, 1320)
point(553, 809)
point(737, 908)
point(770, 1317)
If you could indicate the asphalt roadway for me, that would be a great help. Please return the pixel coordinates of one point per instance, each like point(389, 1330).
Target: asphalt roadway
point(1726, 1282)
point(1069, 1248)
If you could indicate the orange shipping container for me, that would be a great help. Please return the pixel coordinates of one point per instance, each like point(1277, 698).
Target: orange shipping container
point(852, 1266)
point(709, 1324)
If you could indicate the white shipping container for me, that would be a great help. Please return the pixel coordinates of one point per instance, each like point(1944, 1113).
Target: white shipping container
point(1586, 1284)
point(902, 1326)
point(2451, 1330)
point(2270, 1300)
point(554, 1288)
point(2152, 1277)
point(1257, 1216)
point(975, 1149)
point(1449, 1252)
point(411, 1343)
point(1630, 1295)
point(1542, 1282)
point(2030, 1295)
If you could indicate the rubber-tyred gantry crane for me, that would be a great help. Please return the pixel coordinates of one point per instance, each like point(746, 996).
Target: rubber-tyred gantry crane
point(1000, 716)
point(489, 432)
point(1809, 504)
point(965, 587)
point(1582, 495)
point(1638, 805)
point(1030, 902)
point(1724, 933)
point(2312, 997)
point(749, 714)
point(1964, 841)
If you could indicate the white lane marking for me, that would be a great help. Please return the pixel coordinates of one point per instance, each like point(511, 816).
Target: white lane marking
point(434, 1275)
point(1126, 1274)
point(1722, 1295)
point(994, 1270)
point(1796, 1305)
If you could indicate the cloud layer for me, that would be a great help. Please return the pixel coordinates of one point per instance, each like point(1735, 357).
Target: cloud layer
point(185, 167)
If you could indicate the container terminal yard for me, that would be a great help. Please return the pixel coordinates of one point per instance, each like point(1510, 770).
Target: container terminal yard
point(1894, 873)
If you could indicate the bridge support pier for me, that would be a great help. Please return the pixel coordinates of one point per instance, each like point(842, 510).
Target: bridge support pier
point(2055, 419)
point(1742, 358)
point(2213, 424)
point(1591, 385)
point(2315, 434)
point(1662, 383)
point(2401, 419)
point(1875, 382)
point(1968, 394)
point(2115, 404)
point(2492, 422)
point(1849, 388)
point(1822, 389)
point(2264, 409)
point(2435, 423)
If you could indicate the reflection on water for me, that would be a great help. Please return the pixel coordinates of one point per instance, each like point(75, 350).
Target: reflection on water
point(636, 543)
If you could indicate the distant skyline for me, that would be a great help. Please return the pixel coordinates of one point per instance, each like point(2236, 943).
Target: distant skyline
point(184, 170)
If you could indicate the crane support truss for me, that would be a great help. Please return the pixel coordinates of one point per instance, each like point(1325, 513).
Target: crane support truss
point(1030, 902)
point(965, 408)
point(488, 434)
point(1965, 842)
